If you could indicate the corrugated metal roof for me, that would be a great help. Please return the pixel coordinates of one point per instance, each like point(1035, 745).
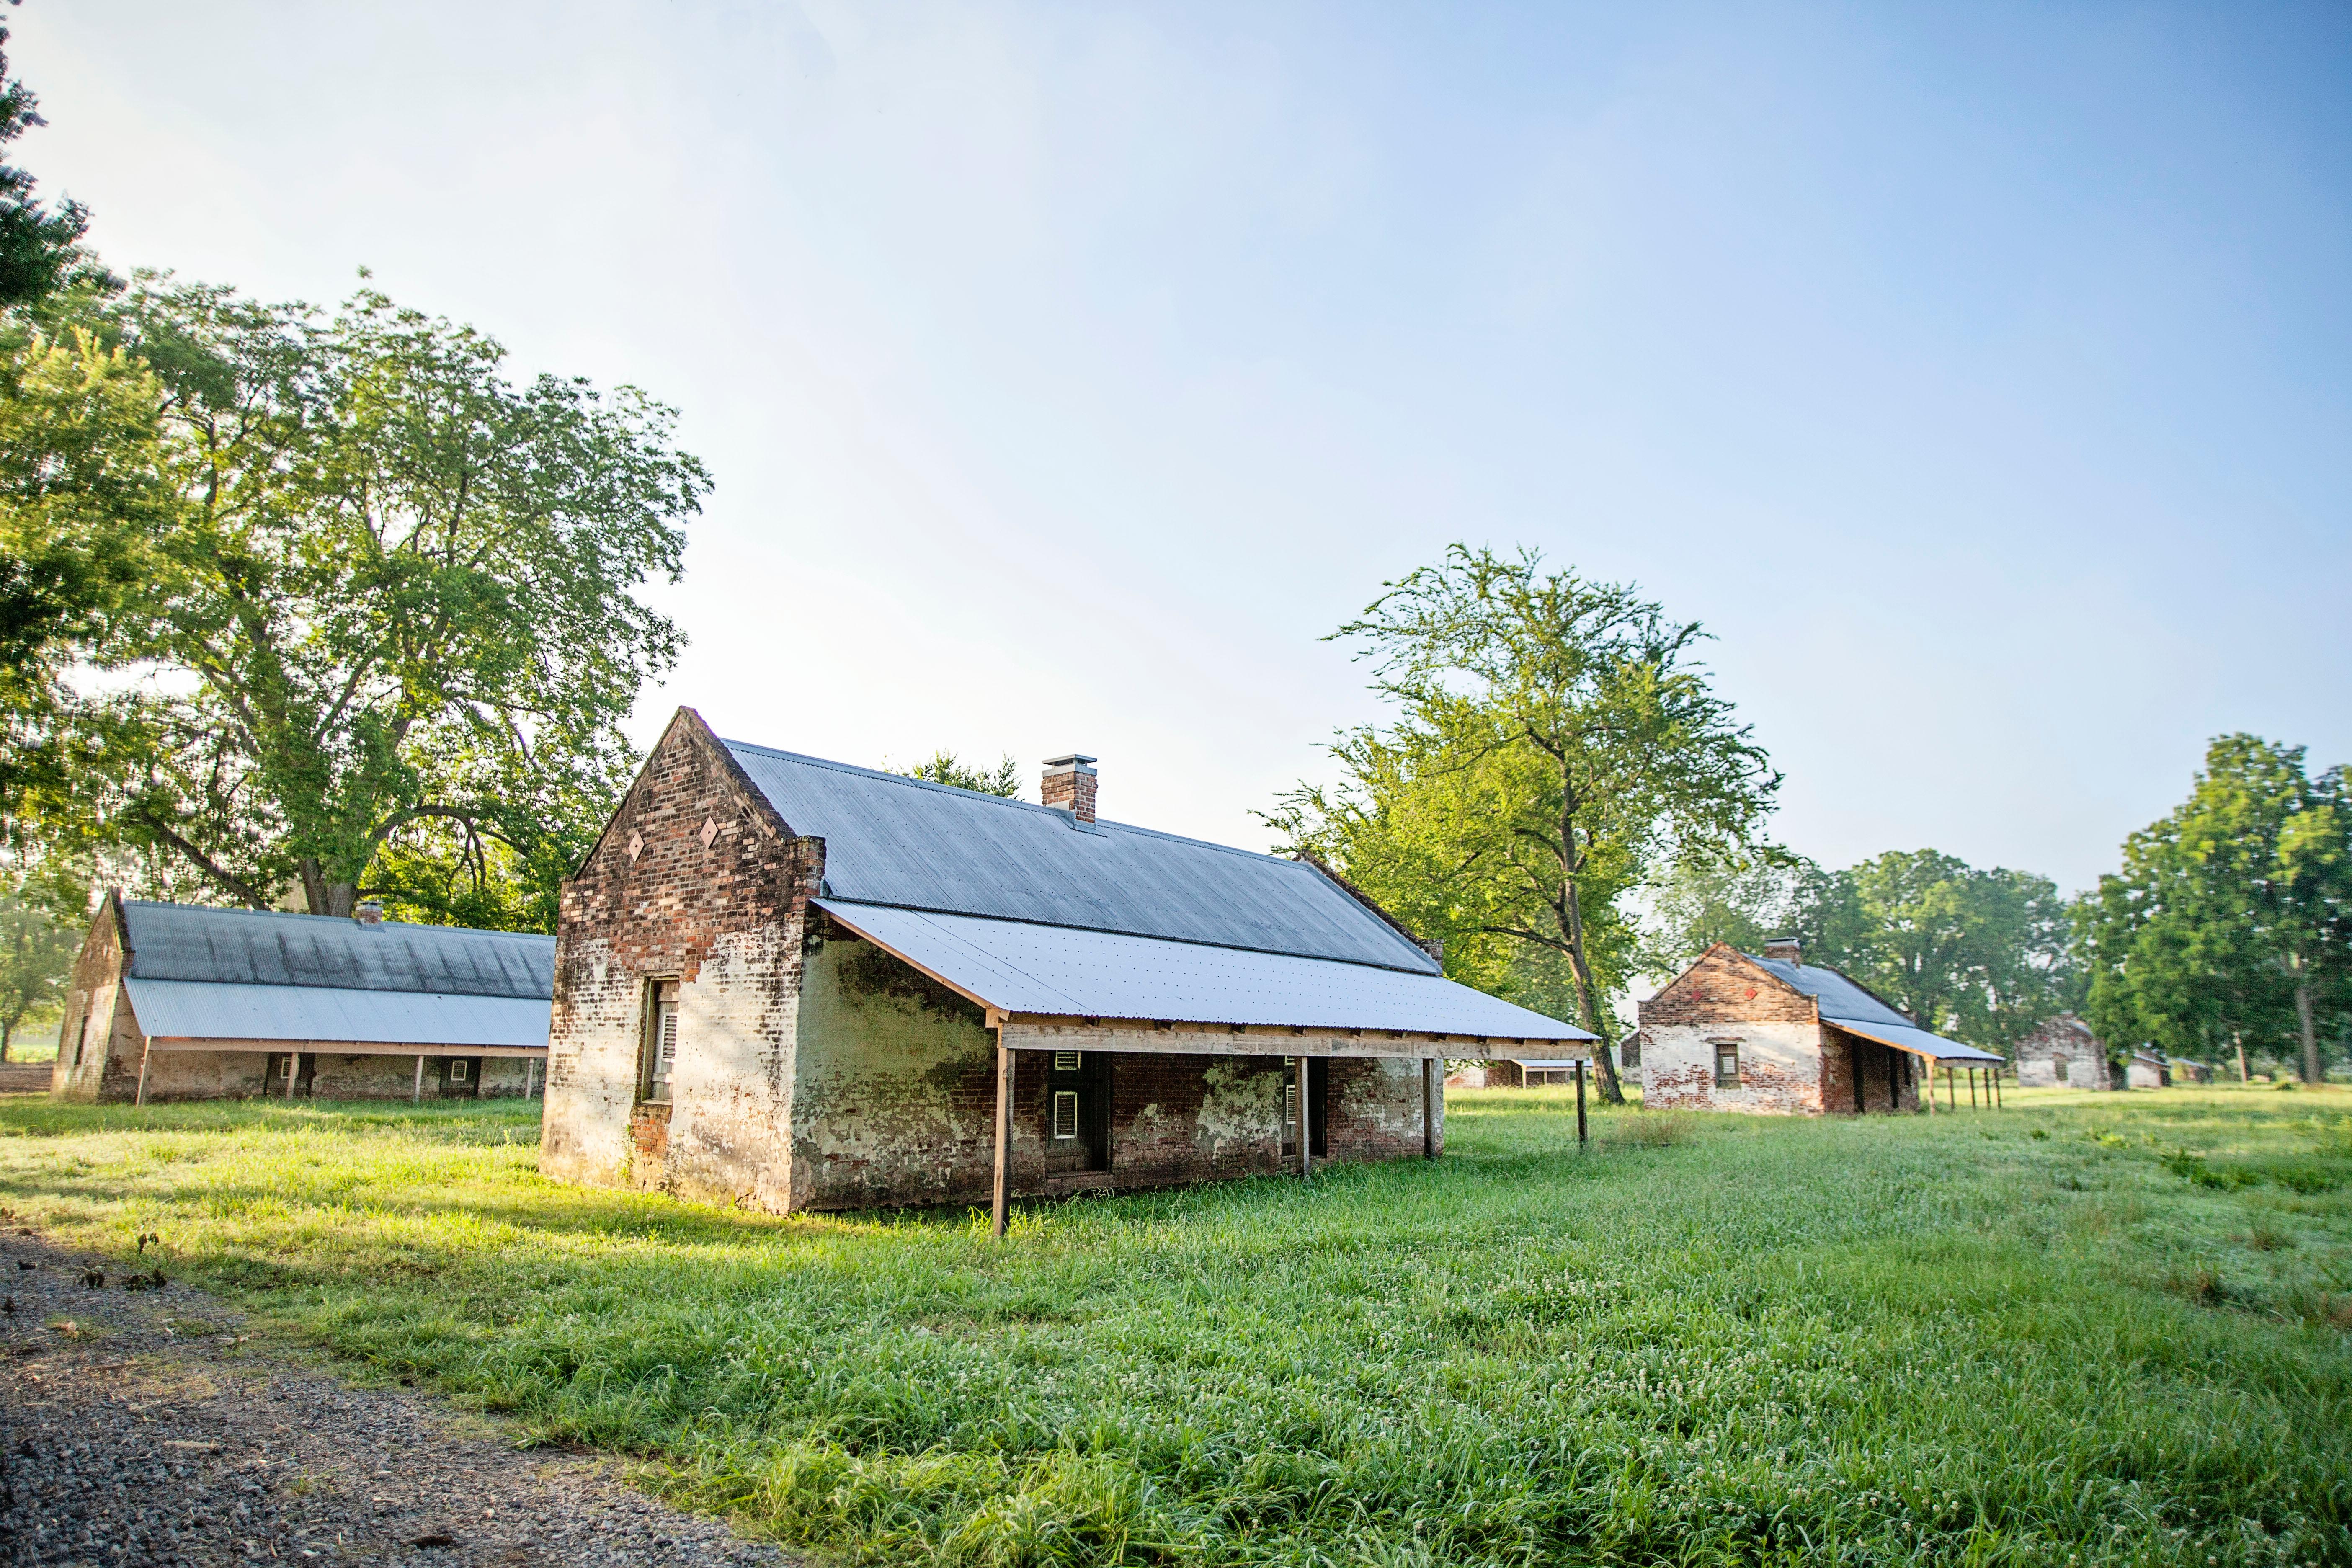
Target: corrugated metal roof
point(189, 941)
point(1839, 996)
point(1850, 1007)
point(893, 841)
point(217, 1010)
point(1021, 967)
point(1904, 1036)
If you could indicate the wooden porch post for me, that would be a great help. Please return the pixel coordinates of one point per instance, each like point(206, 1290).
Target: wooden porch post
point(1992, 1079)
point(1428, 1109)
point(141, 1099)
point(293, 1071)
point(1305, 1122)
point(1581, 1134)
point(418, 1097)
point(1002, 1198)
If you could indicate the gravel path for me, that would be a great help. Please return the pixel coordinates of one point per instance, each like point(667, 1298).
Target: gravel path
point(152, 1430)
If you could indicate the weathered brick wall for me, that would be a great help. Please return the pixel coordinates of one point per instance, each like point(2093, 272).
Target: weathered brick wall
point(98, 1044)
point(205, 1075)
point(896, 1099)
point(694, 878)
point(2062, 1039)
point(1781, 1067)
point(895, 1095)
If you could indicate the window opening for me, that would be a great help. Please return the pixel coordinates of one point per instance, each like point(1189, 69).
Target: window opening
point(1290, 1102)
point(1066, 1115)
point(458, 1071)
point(661, 1040)
point(1727, 1063)
point(2058, 1066)
point(1065, 1061)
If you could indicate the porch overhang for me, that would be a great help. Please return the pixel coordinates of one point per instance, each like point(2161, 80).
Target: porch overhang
point(1051, 987)
point(1918, 1043)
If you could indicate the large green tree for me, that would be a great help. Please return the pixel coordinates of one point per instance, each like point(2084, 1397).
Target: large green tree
point(76, 423)
point(1978, 954)
point(37, 954)
point(387, 625)
point(39, 247)
point(1556, 744)
point(1744, 900)
point(2232, 917)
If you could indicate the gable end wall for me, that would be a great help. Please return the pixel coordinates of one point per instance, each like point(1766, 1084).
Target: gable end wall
point(1783, 1067)
point(725, 920)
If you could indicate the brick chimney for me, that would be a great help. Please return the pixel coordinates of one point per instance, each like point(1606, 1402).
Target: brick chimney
point(368, 912)
point(1069, 785)
point(1782, 949)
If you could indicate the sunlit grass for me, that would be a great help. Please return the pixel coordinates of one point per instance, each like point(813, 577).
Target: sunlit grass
point(2105, 1329)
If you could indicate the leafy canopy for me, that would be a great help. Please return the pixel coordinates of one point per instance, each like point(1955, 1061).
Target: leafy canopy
point(2232, 916)
point(1977, 955)
point(386, 629)
point(1556, 745)
point(943, 766)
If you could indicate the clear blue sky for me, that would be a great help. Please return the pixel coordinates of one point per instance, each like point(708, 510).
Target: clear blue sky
point(1981, 376)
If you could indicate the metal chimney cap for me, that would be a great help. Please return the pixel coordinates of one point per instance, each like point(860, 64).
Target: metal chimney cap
point(1078, 762)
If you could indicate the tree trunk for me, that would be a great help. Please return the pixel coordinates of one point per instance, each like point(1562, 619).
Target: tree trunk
point(2239, 1040)
point(7, 1029)
point(1589, 997)
point(2310, 1036)
point(322, 897)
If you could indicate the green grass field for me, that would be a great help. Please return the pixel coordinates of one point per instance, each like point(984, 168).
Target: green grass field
point(2084, 1330)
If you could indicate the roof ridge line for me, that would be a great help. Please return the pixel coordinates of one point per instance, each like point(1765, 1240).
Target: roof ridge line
point(886, 776)
point(1131, 935)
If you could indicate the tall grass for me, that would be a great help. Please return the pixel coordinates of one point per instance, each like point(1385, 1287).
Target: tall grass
point(2030, 1336)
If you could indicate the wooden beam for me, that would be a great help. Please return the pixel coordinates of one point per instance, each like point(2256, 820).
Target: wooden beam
point(418, 1097)
point(1001, 1197)
point(1428, 1108)
point(1306, 1125)
point(1582, 1137)
point(1046, 1032)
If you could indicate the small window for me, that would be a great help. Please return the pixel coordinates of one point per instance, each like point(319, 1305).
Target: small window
point(661, 1039)
point(1290, 1102)
point(1727, 1063)
point(81, 1030)
point(1066, 1115)
point(458, 1070)
point(1065, 1061)
point(2058, 1066)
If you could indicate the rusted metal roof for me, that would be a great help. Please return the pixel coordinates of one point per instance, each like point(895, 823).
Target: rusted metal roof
point(921, 845)
point(1024, 967)
point(252, 947)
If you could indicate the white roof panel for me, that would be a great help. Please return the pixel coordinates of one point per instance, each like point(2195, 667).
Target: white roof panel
point(209, 1010)
point(1024, 968)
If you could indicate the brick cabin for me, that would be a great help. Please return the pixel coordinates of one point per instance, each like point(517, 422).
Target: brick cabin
point(1772, 1034)
point(797, 984)
point(185, 1002)
point(2062, 1054)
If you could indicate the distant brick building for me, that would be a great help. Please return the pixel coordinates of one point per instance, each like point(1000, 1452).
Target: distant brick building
point(2062, 1054)
point(798, 985)
point(1770, 1034)
point(184, 1002)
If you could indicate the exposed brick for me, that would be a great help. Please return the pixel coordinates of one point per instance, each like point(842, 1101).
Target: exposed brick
point(1790, 1061)
point(816, 1071)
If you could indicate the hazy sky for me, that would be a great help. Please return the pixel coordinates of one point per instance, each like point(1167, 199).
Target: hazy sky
point(1980, 376)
